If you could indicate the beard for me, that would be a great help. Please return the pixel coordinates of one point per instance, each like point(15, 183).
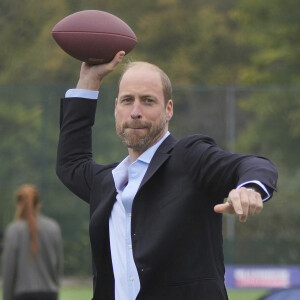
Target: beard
point(140, 141)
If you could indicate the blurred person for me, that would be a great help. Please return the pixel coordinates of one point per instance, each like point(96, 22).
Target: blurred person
point(155, 217)
point(32, 251)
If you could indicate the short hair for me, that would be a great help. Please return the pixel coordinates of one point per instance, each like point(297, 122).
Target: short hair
point(165, 80)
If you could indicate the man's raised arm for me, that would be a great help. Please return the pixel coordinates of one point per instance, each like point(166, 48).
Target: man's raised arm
point(74, 165)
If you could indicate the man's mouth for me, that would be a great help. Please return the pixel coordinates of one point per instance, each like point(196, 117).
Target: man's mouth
point(139, 126)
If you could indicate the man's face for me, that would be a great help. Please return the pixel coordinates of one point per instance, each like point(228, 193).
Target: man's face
point(141, 113)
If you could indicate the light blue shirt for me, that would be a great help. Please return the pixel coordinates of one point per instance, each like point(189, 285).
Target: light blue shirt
point(128, 177)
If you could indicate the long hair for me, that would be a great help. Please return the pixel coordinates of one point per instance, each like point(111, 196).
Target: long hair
point(28, 200)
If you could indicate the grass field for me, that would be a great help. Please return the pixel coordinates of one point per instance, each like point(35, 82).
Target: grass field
point(85, 293)
point(245, 294)
point(76, 293)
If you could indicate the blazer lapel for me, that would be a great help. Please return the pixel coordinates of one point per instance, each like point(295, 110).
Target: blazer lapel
point(161, 155)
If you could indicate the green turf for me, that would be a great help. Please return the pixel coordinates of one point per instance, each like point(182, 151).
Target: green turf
point(245, 294)
point(72, 293)
point(85, 293)
point(76, 293)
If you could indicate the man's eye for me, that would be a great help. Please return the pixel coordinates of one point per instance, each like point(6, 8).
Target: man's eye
point(149, 100)
point(126, 100)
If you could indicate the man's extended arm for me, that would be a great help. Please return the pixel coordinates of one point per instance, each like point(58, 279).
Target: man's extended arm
point(222, 174)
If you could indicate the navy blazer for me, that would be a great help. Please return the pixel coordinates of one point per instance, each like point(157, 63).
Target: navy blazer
point(176, 235)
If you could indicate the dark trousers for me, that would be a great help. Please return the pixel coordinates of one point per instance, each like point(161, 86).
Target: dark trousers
point(37, 296)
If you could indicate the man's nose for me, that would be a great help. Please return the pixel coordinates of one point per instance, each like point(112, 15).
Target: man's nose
point(136, 112)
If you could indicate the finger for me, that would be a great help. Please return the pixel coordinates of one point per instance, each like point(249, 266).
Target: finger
point(109, 67)
point(240, 203)
point(243, 218)
point(260, 204)
point(234, 199)
point(224, 208)
point(118, 58)
point(253, 202)
point(85, 67)
point(245, 202)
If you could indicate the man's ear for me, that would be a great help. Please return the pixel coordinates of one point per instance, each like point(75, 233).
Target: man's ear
point(169, 110)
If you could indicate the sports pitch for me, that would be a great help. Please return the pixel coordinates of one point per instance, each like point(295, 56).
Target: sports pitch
point(85, 293)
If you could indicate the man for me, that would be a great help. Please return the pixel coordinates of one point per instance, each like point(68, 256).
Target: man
point(156, 217)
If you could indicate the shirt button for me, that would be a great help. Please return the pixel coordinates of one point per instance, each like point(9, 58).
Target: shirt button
point(130, 246)
point(129, 214)
point(131, 278)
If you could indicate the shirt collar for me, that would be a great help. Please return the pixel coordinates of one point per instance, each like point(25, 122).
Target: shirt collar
point(149, 153)
point(120, 172)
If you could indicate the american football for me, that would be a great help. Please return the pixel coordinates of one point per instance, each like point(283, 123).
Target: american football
point(93, 36)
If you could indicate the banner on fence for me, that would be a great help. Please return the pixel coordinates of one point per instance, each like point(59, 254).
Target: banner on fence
point(262, 276)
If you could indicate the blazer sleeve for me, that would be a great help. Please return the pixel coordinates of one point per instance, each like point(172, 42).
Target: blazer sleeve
point(74, 165)
point(218, 171)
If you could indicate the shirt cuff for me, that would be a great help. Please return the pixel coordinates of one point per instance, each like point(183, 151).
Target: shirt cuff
point(260, 185)
point(81, 93)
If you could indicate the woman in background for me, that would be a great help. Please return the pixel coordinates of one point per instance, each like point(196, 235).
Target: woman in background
point(32, 251)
